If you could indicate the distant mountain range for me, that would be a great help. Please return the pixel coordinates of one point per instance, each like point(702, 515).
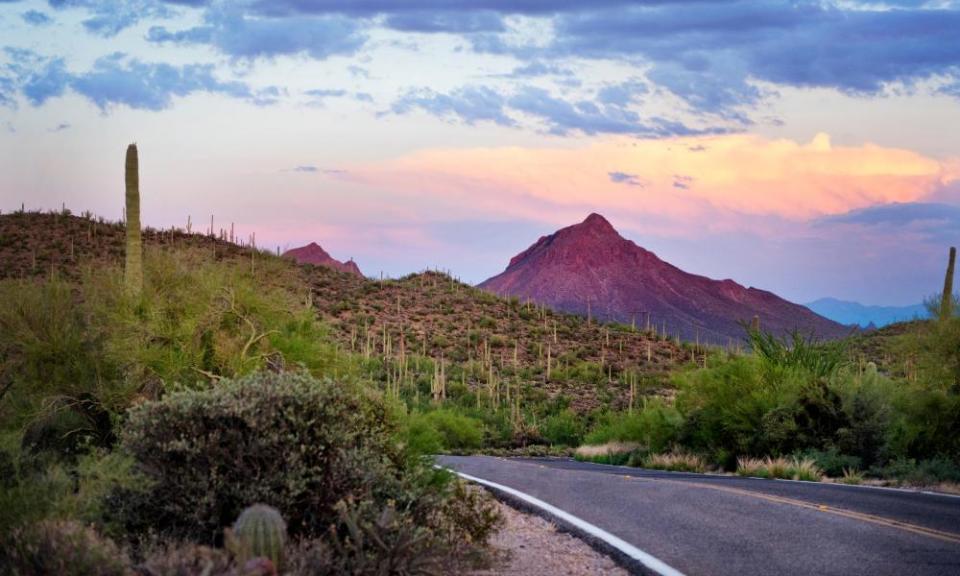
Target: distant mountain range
point(847, 312)
point(312, 253)
point(590, 269)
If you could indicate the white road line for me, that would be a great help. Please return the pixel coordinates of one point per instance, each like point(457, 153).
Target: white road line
point(650, 562)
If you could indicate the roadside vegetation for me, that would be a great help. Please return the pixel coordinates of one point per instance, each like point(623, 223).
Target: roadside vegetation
point(137, 425)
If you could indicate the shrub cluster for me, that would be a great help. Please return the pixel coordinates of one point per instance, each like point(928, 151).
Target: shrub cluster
point(289, 441)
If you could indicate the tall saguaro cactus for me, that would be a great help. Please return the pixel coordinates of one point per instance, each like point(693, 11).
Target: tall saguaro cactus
point(946, 302)
point(133, 273)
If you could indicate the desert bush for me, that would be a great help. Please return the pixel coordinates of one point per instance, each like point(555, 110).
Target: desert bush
point(421, 437)
point(49, 348)
point(459, 432)
point(926, 424)
point(725, 406)
point(184, 559)
point(29, 499)
point(59, 547)
point(290, 441)
point(422, 532)
point(562, 429)
point(921, 473)
point(369, 540)
point(832, 462)
point(656, 425)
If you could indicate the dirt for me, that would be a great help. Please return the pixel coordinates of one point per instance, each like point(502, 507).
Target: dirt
point(528, 545)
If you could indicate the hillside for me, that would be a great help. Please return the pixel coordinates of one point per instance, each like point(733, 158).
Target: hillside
point(36, 243)
point(404, 327)
point(589, 269)
point(889, 347)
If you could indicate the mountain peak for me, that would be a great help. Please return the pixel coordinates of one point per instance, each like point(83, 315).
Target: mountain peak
point(597, 222)
point(314, 254)
point(589, 268)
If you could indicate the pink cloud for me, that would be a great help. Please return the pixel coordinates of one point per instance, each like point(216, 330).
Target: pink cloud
point(726, 180)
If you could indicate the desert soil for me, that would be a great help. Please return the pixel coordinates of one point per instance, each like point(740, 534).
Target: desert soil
point(531, 546)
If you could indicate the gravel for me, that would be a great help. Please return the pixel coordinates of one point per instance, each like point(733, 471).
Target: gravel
point(531, 546)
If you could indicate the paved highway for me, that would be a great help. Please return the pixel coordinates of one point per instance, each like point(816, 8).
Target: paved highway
point(723, 525)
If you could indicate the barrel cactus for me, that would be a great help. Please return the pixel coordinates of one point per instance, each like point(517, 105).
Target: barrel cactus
point(260, 532)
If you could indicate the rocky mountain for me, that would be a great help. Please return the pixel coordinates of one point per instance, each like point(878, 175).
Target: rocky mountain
point(314, 254)
point(590, 269)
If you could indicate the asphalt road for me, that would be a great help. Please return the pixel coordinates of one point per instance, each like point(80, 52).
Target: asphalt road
point(720, 525)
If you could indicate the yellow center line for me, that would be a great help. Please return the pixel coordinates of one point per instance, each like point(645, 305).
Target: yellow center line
point(861, 516)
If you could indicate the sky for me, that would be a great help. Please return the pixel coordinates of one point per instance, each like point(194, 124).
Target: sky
point(808, 148)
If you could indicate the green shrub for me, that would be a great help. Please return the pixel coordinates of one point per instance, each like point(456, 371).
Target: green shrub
point(288, 440)
point(562, 429)
point(458, 432)
point(921, 473)
point(37, 489)
point(833, 463)
point(656, 425)
point(421, 437)
point(62, 548)
point(24, 500)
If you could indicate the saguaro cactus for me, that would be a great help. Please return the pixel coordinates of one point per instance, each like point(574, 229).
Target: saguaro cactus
point(946, 302)
point(133, 272)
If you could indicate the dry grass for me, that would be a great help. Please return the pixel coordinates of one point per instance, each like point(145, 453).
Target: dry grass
point(676, 461)
point(610, 448)
point(780, 467)
point(851, 476)
point(949, 487)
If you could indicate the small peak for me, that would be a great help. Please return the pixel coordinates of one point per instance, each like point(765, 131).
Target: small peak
point(597, 222)
point(313, 245)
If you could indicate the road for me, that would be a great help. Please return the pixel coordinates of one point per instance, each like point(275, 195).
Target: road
point(726, 525)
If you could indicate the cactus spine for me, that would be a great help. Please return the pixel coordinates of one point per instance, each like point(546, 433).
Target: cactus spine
point(946, 301)
point(260, 532)
point(133, 272)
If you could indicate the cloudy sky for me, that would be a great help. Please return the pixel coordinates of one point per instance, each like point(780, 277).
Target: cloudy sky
point(810, 148)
